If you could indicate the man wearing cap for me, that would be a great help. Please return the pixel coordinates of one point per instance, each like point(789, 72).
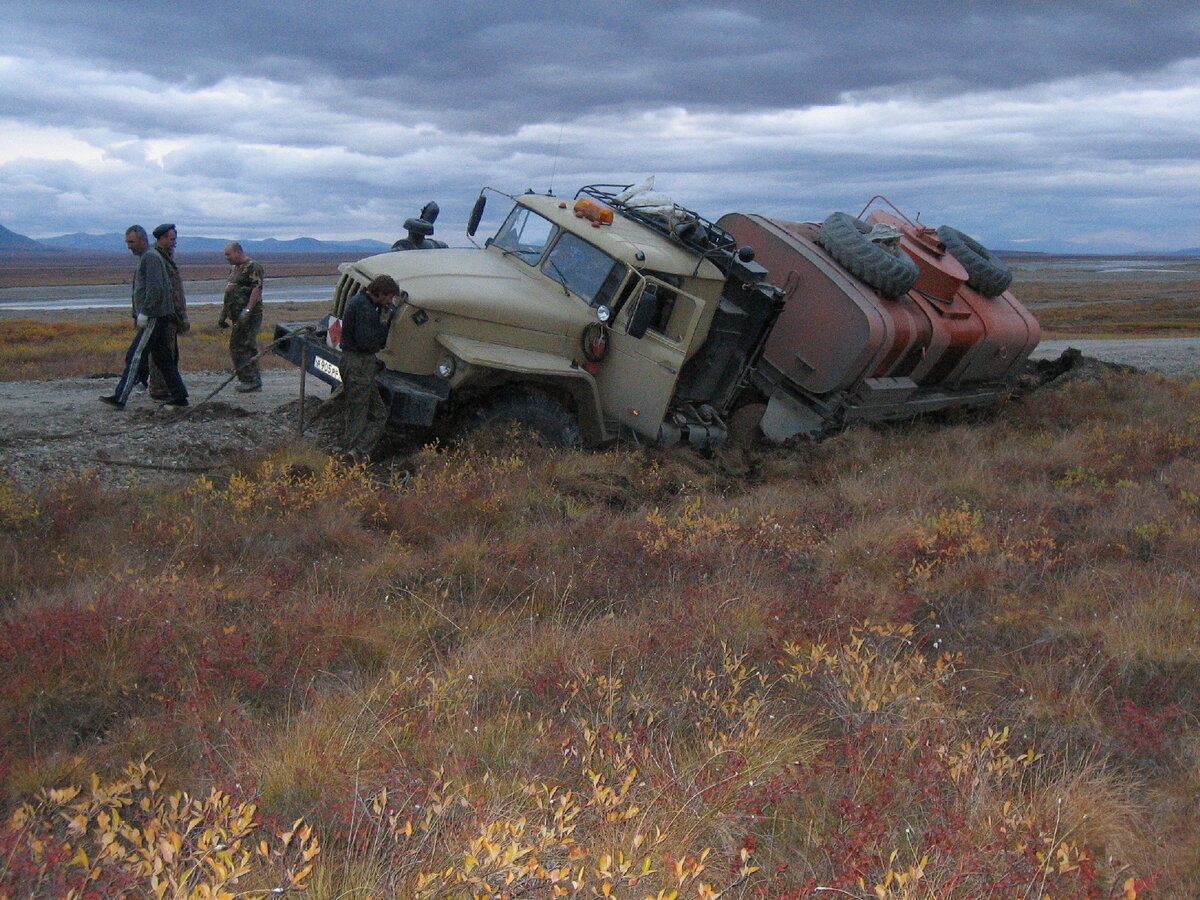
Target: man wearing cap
point(152, 305)
point(243, 306)
point(165, 237)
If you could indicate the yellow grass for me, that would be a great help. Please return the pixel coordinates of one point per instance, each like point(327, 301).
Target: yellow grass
point(858, 665)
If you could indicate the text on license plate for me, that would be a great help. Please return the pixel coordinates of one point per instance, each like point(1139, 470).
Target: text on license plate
point(324, 365)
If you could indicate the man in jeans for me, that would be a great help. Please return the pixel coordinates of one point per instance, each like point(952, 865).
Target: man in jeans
point(365, 322)
point(153, 305)
point(243, 305)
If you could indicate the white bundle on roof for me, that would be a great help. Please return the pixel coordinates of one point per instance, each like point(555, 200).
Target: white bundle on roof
point(644, 199)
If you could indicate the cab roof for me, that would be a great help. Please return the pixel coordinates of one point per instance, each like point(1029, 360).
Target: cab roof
point(625, 239)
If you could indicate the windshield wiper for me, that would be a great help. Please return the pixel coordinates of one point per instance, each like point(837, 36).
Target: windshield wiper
point(562, 278)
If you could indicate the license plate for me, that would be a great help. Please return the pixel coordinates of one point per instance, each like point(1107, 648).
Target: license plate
point(324, 365)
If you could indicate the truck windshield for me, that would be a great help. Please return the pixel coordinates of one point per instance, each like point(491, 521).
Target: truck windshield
point(583, 269)
point(524, 233)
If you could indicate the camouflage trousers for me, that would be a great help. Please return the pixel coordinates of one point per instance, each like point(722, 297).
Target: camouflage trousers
point(365, 412)
point(243, 345)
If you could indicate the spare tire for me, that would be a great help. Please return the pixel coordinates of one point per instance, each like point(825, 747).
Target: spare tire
point(987, 272)
point(889, 270)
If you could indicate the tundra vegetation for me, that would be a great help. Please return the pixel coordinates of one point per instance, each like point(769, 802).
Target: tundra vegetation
point(950, 659)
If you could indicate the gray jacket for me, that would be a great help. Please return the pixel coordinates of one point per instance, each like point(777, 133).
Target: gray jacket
point(152, 293)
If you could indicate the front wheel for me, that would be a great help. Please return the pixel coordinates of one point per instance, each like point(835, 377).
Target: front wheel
point(551, 423)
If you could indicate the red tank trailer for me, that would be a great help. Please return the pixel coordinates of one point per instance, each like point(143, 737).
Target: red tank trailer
point(883, 318)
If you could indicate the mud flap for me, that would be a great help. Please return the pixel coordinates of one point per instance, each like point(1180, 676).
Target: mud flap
point(787, 417)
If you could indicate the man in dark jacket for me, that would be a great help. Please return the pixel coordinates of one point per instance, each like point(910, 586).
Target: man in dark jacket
point(152, 304)
point(365, 322)
point(165, 237)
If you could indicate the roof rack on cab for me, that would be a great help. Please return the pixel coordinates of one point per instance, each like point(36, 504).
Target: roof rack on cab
point(683, 225)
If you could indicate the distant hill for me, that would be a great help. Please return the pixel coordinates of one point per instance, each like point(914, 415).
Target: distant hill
point(190, 244)
point(81, 241)
point(10, 240)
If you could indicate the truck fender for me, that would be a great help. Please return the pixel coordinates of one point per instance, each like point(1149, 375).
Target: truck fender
point(540, 368)
point(786, 417)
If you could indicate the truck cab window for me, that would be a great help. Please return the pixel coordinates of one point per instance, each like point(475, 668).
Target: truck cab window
point(666, 299)
point(583, 269)
point(525, 234)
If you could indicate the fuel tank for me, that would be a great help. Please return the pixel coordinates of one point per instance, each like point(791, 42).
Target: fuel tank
point(859, 354)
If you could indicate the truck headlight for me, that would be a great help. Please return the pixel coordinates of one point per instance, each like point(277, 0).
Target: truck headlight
point(446, 366)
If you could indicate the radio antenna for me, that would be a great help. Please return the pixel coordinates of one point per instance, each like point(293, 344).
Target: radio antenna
point(557, 153)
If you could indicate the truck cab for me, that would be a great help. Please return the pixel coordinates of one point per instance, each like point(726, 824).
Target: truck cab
point(593, 315)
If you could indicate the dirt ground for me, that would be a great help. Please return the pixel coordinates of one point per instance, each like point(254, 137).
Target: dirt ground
point(48, 428)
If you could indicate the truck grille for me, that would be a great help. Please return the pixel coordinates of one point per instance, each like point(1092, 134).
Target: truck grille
point(347, 287)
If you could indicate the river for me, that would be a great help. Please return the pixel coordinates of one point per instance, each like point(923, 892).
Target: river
point(68, 298)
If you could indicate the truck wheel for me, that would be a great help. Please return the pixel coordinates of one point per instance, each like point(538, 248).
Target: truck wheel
point(889, 270)
point(549, 421)
point(988, 274)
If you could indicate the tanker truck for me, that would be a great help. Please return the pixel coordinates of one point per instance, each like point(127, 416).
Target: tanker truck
point(618, 314)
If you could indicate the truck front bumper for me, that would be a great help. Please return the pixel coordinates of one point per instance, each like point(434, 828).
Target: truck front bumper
point(411, 399)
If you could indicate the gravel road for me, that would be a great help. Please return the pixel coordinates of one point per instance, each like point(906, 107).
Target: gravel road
point(1167, 356)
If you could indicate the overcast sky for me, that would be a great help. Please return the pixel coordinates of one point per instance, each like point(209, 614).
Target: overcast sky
point(1043, 125)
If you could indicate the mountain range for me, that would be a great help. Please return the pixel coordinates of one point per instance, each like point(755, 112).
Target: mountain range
point(10, 240)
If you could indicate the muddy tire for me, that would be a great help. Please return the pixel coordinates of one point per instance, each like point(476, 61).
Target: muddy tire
point(743, 425)
point(987, 273)
point(889, 270)
point(540, 414)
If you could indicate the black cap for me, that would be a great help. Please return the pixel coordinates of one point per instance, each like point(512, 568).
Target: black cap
point(163, 229)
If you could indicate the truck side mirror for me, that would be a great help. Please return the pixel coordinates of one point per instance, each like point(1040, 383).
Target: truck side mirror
point(476, 215)
point(643, 314)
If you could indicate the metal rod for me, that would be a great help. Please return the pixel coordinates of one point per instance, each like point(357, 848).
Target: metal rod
point(303, 376)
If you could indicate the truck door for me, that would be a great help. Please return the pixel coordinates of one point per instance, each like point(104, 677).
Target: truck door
point(646, 340)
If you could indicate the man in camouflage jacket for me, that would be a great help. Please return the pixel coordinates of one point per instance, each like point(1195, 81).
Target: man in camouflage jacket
point(243, 306)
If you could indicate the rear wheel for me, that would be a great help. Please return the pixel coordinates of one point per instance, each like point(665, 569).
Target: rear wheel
point(887, 269)
point(540, 414)
point(986, 272)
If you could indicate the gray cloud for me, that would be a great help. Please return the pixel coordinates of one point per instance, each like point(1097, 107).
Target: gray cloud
point(1018, 121)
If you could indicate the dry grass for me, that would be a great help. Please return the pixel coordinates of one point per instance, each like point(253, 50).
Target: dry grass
point(945, 660)
point(37, 349)
point(1144, 300)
